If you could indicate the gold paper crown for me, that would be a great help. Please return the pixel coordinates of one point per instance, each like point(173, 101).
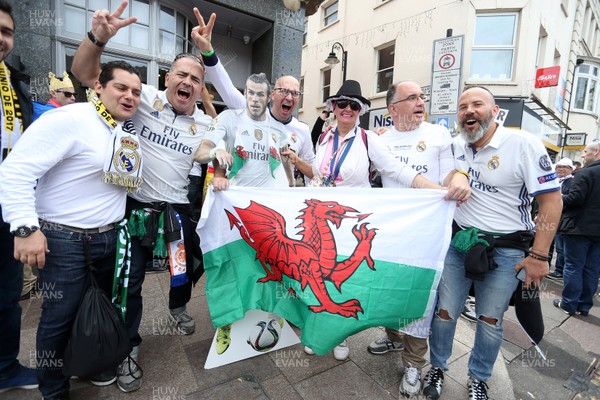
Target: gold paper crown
point(58, 83)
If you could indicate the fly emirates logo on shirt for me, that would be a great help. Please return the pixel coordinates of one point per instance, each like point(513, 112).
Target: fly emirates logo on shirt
point(169, 138)
point(476, 183)
point(419, 168)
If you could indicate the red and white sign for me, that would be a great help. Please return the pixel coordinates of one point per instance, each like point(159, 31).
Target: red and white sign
point(546, 77)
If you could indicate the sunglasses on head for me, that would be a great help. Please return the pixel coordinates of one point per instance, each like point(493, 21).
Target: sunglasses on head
point(67, 94)
point(354, 105)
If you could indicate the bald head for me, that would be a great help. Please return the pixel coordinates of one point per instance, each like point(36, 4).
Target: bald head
point(406, 105)
point(285, 97)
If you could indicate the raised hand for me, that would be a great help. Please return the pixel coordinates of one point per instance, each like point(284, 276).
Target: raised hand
point(202, 33)
point(106, 25)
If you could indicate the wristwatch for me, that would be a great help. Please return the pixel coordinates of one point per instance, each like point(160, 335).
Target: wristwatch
point(93, 39)
point(24, 231)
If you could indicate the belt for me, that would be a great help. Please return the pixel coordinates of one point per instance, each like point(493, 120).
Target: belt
point(102, 229)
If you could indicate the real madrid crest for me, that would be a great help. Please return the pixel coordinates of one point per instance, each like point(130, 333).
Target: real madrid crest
point(494, 163)
point(274, 137)
point(158, 105)
point(294, 137)
point(421, 146)
point(193, 129)
point(127, 159)
point(258, 134)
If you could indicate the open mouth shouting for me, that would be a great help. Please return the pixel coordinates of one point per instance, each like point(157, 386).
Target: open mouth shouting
point(184, 94)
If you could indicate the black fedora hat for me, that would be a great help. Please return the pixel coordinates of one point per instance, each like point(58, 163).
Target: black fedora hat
point(351, 89)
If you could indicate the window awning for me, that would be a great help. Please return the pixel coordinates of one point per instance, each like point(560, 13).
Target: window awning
point(537, 106)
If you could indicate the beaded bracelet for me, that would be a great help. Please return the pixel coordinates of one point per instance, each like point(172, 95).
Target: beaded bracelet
point(538, 257)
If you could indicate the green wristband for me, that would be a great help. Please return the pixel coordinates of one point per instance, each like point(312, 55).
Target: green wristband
point(210, 53)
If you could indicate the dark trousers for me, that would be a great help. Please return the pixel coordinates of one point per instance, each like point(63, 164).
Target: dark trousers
point(11, 283)
point(179, 296)
point(64, 280)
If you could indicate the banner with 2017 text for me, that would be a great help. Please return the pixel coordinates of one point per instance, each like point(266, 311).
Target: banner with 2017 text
point(332, 261)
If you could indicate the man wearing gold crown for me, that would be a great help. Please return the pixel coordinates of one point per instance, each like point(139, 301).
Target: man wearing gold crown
point(62, 91)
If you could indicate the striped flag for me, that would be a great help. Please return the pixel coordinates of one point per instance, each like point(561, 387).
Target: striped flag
point(331, 261)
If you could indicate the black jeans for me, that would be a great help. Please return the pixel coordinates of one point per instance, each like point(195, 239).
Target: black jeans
point(179, 296)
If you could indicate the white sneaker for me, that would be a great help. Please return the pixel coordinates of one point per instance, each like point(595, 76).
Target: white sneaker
point(309, 351)
point(341, 351)
point(410, 385)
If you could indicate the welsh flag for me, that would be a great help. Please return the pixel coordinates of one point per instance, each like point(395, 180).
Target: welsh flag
point(331, 261)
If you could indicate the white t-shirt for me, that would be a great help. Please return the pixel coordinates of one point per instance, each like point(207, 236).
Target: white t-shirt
point(169, 141)
point(258, 139)
point(505, 174)
point(66, 151)
point(354, 168)
point(427, 150)
point(300, 141)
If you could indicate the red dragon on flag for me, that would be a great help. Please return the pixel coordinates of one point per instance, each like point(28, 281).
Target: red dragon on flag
point(312, 259)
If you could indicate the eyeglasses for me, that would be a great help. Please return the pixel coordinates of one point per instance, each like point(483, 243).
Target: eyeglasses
point(354, 105)
point(295, 94)
point(67, 94)
point(411, 99)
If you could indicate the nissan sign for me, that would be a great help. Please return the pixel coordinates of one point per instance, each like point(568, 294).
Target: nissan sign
point(546, 77)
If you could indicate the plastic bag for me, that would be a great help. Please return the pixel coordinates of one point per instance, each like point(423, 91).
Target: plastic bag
point(99, 340)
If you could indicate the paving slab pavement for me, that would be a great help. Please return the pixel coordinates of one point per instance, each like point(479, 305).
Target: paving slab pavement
point(173, 364)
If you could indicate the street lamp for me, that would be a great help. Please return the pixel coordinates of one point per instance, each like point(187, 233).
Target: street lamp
point(332, 58)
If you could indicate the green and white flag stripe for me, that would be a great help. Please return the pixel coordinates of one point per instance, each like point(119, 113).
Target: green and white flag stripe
point(412, 235)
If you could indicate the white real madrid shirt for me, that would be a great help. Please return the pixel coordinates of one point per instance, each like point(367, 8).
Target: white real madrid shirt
point(427, 150)
point(169, 142)
point(66, 151)
point(235, 127)
point(505, 174)
point(300, 141)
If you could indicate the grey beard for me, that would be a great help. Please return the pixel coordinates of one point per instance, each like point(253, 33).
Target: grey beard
point(478, 134)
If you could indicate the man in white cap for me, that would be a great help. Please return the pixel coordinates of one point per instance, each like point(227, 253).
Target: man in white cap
point(564, 170)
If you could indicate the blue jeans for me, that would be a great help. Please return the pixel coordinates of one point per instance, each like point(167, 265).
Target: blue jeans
point(560, 253)
point(11, 283)
point(582, 265)
point(492, 297)
point(64, 280)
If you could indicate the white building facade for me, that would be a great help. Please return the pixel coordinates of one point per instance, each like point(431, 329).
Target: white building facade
point(504, 43)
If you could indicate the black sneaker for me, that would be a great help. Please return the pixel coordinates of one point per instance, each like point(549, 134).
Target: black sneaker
point(558, 304)
point(434, 380)
point(477, 389)
point(555, 276)
point(104, 379)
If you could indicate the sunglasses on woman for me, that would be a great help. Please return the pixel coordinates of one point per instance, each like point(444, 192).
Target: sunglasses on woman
point(354, 105)
point(67, 94)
